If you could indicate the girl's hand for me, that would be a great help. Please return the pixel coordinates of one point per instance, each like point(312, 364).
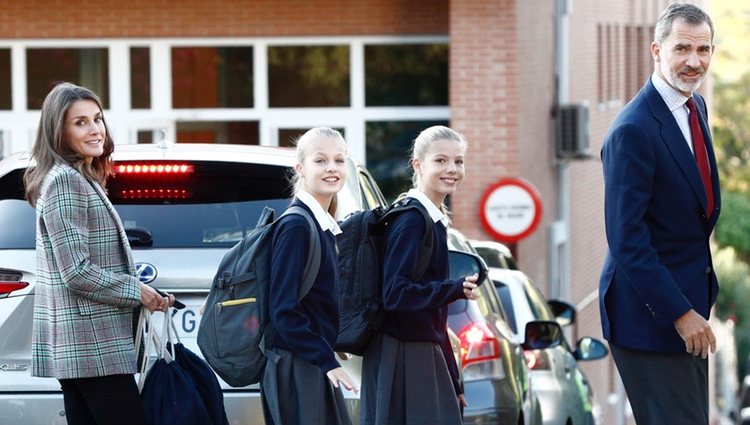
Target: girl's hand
point(338, 375)
point(470, 283)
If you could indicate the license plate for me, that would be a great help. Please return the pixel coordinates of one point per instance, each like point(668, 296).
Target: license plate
point(187, 320)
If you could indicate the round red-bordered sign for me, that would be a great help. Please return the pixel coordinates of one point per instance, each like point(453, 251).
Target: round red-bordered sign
point(510, 209)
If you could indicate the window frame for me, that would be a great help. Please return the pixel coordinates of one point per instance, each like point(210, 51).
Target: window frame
point(126, 122)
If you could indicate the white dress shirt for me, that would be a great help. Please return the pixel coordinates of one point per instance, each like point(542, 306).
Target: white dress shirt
point(326, 221)
point(676, 103)
point(433, 210)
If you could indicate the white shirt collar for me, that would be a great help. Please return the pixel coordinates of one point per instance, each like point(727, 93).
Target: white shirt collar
point(672, 97)
point(326, 221)
point(434, 211)
point(675, 101)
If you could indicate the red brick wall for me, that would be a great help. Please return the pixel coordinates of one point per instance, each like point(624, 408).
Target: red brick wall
point(216, 18)
point(484, 98)
point(536, 149)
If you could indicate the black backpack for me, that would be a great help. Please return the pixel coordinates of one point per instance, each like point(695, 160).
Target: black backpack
point(360, 257)
point(235, 330)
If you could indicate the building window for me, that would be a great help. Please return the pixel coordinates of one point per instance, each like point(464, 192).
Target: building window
point(6, 102)
point(308, 76)
point(140, 78)
point(388, 151)
point(637, 58)
point(609, 77)
point(615, 75)
point(288, 136)
point(47, 67)
point(600, 63)
point(406, 75)
point(233, 132)
point(212, 77)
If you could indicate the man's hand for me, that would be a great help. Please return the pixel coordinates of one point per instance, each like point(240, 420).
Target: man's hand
point(697, 334)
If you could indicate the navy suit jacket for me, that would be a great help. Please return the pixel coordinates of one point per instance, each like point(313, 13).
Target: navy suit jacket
point(659, 262)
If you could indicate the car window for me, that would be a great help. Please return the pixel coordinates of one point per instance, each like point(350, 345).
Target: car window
point(492, 257)
point(17, 223)
point(511, 262)
point(537, 302)
point(503, 292)
point(207, 204)
point(370, 193)
point(488, 295)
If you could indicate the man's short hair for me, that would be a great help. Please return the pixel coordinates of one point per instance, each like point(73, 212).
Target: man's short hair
point(689, 13)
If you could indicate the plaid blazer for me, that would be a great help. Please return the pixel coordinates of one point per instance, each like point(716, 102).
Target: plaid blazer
point(86, 286)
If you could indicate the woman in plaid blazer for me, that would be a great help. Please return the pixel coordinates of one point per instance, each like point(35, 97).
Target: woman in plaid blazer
point(86, 287)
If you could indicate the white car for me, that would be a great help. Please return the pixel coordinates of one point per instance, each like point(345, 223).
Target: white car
point(565, 396)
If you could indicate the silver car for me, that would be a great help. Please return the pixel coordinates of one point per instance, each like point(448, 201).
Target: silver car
point(565, 395)
point(183, 206)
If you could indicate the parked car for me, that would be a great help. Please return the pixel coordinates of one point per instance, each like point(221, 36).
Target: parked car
point(497, 385)
point(495, 254)
point(565, 395)
point(183, 206)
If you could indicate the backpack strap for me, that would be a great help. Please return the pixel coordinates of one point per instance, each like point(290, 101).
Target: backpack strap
point(312, 265)
point(266, 217)
point(428, 239)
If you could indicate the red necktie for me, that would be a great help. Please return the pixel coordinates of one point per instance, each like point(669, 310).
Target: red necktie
point(701, 155)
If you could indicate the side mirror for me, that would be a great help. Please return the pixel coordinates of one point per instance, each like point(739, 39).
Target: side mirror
point(466, 264)
point(542, 334)
point(590, 349)
point(564, 312)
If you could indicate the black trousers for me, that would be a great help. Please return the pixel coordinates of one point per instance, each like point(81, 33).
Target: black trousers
point(664, 388)
point(105, 400)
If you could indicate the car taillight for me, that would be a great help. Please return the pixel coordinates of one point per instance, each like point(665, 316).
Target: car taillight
point(159, 168)
point(537, 360)
point(478, 343)
point(10, 281)
point(153, 181)
point(160, 193)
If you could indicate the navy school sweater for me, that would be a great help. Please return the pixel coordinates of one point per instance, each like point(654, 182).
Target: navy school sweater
point(308, 328)
point(418, 311)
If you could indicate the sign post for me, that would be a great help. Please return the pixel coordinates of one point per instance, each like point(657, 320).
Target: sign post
point(510, 209)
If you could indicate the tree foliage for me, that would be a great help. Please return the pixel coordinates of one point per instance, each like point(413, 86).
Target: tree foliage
point(734, 298)
point(730, 117)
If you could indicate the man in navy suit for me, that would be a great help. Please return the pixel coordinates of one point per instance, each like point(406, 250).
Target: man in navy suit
point(661, 204)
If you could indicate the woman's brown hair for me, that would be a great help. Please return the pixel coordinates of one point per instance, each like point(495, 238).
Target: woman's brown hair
point(50, 146)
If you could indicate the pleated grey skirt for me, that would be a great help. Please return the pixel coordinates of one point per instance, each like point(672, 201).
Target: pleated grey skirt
point(406, 383)
point(296, 392)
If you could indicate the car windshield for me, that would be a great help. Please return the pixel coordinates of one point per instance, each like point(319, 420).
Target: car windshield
point(503, 291)
point(204, 204)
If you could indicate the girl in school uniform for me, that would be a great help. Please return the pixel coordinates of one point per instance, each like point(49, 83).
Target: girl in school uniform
point(409, 374)
point(302, 380)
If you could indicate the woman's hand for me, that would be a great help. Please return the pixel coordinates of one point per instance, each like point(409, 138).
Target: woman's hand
point(470, 284)
point(338, 375)
point(153, 301)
